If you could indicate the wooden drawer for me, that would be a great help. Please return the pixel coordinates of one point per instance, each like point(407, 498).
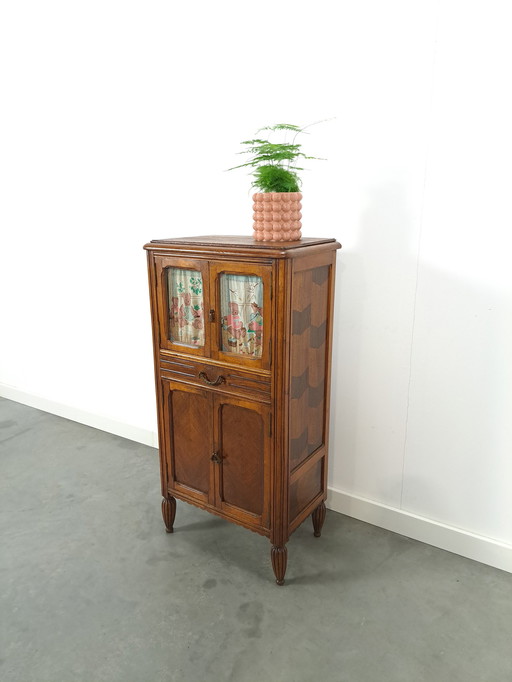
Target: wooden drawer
point(216, 377)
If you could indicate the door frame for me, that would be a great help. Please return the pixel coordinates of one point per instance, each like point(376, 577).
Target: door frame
point(218, 268)
point(162, 265)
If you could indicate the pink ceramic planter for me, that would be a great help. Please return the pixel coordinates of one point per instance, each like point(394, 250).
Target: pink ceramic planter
point(277, 216)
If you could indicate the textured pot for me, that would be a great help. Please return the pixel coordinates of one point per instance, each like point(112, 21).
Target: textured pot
point(277, 216)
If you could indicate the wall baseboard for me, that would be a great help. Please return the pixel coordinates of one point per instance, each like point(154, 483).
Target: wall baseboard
point(466, 544)
point(76, 414)
point(462, 542)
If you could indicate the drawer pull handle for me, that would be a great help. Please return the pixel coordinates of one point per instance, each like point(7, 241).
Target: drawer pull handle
point(219, 380)
point(216, 457)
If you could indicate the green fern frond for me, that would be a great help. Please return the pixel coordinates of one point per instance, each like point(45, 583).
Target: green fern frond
point(256, 141)
point(281, 126)
point(242, 165)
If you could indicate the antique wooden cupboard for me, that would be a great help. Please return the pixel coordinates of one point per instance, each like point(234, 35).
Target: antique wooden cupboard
point(242, 334)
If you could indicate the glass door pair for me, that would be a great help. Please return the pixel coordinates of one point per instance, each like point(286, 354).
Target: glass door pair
point(216, 309)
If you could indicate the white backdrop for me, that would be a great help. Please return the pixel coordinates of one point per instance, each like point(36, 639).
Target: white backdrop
point(117, 122)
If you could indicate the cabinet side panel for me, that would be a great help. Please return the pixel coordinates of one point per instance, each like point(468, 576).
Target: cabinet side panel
point(308, 362)
point(242, 448)
point(305, 489)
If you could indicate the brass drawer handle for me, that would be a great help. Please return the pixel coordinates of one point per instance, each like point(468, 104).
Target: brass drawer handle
point(219, 380)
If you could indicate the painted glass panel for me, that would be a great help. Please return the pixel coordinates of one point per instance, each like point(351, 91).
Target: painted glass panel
point(241, 302)
point(186, 314)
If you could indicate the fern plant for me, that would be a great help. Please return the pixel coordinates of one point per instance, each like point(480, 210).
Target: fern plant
point(274, 163)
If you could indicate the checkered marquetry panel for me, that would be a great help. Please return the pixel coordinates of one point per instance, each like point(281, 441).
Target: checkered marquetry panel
point(307, 389)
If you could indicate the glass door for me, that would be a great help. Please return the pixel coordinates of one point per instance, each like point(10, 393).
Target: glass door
point(183, 295)
point(243, 313)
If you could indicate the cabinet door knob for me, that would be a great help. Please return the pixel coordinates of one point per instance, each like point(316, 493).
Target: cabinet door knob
point(216, 457)
point(211, 315)
point(219, 380)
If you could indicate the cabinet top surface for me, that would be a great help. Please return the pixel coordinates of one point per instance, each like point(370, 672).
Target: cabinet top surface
point(239, 242)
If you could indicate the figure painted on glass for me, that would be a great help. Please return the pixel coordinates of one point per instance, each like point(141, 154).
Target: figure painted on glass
point(186, 316)
point(232, 324)
point(186, 313)
point(174, 311)
point(242, 314)
point(256, 325)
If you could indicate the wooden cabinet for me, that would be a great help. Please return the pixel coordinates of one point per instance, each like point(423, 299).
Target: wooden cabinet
point(242, 345)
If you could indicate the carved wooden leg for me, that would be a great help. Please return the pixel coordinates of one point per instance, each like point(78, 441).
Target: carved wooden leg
point(169, 512)
point(318, 517)
point(279, 557)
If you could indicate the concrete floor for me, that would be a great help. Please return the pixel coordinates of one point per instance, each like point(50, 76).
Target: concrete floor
point(93, 589)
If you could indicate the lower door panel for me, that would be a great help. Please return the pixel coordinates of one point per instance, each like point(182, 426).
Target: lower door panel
point(242, 436)
point(190, 440)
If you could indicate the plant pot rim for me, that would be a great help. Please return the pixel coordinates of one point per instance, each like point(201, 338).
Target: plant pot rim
point(296, 196)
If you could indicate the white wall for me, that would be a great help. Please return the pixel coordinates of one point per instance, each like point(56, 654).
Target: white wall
point(117, 121)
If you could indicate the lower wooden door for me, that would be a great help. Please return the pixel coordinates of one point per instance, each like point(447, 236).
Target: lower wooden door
point(189, 441)
point(242, 477)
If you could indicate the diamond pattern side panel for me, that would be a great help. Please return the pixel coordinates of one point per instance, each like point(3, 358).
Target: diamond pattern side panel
point(308, 365)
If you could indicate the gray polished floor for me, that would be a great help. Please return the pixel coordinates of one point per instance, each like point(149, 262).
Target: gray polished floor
point(93, 589)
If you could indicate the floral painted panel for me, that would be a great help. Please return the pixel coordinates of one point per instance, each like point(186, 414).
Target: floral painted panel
point(241, 302)
point(186, 314)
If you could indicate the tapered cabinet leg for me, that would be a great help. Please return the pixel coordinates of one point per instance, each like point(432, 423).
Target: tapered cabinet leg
point(169, 512)
point(279, 557)
point(318, 517)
